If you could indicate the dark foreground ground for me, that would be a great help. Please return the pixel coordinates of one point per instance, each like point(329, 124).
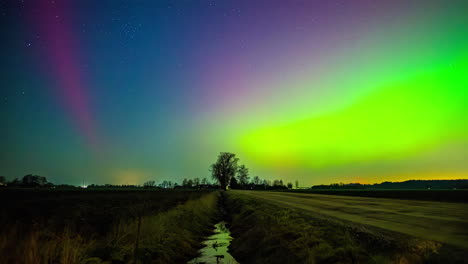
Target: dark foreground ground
point(158, 226)
point(90, 211)
point(110, 226)
point(438, 221)
point(282, 227)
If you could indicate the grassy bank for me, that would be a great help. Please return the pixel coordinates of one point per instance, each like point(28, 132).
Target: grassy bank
point(170, 228)
point(267, 233)
point(170, 237)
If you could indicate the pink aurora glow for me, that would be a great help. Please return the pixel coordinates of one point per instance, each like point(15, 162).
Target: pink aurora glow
point(62, 59)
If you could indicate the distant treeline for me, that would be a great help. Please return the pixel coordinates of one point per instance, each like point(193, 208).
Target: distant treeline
point(405, 185)
point(258, 184)
point(27, 181)
point(241, 181)
point(226, 173)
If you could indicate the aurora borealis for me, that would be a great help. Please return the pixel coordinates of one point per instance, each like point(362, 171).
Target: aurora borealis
point(318, 91)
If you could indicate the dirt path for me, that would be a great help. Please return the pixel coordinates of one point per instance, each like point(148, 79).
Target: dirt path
point(443, 222)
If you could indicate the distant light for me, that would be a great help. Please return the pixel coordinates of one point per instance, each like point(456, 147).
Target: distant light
point(84, 186)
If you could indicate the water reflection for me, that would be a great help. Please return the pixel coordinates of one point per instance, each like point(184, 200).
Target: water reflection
point(216, 247)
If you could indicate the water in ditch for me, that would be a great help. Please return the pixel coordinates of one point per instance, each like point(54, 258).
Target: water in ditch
point(216, 247)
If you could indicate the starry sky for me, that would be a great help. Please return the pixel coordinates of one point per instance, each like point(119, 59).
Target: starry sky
point(122, 92)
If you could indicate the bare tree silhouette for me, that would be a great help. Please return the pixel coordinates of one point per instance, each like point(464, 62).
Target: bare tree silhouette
point(225, 168)
point(256, 180)
point(243, 176)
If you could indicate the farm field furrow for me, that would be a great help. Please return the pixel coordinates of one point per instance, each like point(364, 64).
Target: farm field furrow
point(443, 222)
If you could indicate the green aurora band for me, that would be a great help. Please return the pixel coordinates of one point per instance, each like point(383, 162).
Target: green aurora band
point(390, 106)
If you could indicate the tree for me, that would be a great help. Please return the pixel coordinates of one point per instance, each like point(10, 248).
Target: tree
point(149, 184)
point(185, 183)
point(165, 184)
point(15, 182)
point(204, 181)
point(2, 180)
point(277, 183)
point(234, 183)
point(34, 180)
point(224, 169)
point(190, 183)
point(297, 184)
point(256, 180)
point(243, 175)
point(196, 181)
point(290, 185)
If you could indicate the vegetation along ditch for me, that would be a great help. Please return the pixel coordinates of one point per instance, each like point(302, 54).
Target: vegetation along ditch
point(157, 227)
point(194, 227)
point(264, 232)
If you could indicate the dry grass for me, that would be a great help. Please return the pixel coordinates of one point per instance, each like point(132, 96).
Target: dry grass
point(43, 247)
point(166, 237)
point(169, 237)
point(265, 232)
point(442, 222)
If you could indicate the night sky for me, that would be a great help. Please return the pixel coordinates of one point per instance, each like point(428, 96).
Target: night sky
point(319, 91)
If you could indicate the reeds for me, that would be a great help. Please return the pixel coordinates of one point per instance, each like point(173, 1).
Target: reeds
point(165, 237)
point(42, 246)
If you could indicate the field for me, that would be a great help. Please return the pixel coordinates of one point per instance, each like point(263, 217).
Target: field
point(328, 229)
point(169, 226)
point(85, 210)
point(48, 226)
point(459, 196)
point(443, 222)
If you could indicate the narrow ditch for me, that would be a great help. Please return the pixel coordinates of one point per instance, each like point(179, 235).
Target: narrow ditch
point(216, 246)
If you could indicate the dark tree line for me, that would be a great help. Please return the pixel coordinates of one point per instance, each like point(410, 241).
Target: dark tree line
point(225, 171)
point(27, 181)
point(195, 183)
point(163, 185)
point(405, 185)
point(228, 173)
